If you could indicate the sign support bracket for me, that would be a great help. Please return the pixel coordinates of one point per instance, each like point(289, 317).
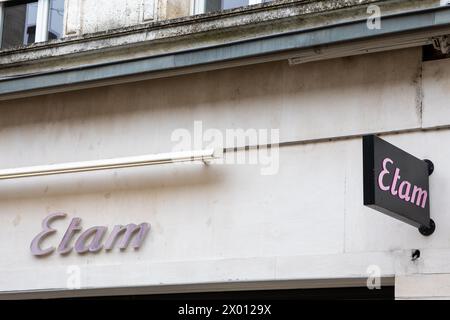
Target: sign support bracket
point(424, 230)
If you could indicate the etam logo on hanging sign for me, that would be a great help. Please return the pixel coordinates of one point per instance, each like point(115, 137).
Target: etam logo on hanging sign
point(404, 190)
point(397, 183)
point(91, 240)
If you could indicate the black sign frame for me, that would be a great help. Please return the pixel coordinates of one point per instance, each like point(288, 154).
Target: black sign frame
point(407, 177)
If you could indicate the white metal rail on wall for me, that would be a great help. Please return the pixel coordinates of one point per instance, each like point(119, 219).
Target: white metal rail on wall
point(106, 164)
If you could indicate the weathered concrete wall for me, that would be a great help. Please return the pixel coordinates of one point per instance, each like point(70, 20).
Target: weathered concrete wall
point(86, 16)
point(172, 9)
point(436, 93)
point(114, 41)
point(228, 223)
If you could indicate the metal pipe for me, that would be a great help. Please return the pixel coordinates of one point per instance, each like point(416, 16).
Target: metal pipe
point(136, 161)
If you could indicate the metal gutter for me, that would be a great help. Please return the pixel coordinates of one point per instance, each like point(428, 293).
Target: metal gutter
point(423, 20)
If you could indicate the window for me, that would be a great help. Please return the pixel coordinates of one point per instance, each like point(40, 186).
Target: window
point(202, 6)
point(56, 19)
point(19, 24)
point(27, 21)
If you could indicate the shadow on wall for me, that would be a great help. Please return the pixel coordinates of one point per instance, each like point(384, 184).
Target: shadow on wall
point(247, 86)
point(174, 177)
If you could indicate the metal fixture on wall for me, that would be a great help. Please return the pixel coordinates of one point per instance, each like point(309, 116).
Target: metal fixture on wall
point(136, 161)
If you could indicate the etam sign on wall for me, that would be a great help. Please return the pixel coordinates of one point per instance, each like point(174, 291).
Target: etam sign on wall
point(397, 183)
point(91, 240)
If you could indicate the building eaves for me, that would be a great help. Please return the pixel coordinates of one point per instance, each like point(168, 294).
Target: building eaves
point(408, 23)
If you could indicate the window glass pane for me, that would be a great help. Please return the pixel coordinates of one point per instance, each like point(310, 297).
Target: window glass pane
point(30, 23)
point(216, 5)
point(19, 24)
point(56, 19)
point(212, 5)
point(228, 4)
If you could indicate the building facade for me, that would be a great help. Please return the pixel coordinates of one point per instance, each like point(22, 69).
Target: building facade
point(281, 91)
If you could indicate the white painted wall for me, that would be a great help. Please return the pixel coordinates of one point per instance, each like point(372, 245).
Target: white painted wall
point(436, 84)
point(423, 287)
point(87, 16)
point(228, 223)
point(329, 99)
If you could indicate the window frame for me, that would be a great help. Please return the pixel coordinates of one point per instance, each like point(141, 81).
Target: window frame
point(42, 20)
point(198, 6)
point(1, 22)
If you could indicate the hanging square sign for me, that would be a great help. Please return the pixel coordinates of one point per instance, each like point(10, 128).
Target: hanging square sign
point(396, 183)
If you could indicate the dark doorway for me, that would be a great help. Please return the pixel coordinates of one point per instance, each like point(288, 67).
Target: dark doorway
point(354, 293)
